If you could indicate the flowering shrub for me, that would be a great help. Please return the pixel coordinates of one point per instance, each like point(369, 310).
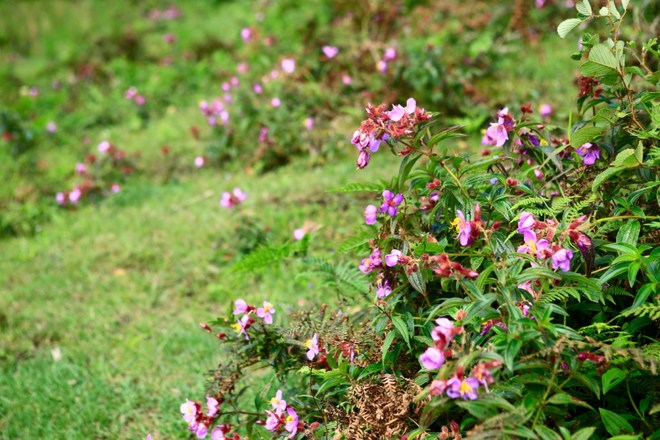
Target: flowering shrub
point(513, 294)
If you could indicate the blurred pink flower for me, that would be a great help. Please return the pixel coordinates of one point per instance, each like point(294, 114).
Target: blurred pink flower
point(288, 65)
point(330, 51)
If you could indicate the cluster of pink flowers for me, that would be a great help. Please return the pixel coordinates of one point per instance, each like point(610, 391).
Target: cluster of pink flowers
point(543, 248)
point(235, 198)
point(168, 14)
point(382, 125)
point(132, 95)
point(371, 262)
point(465, 387)
point(444, 332)
point(498, 132)
point(199, 423)
point(215, 112)
point(246, 321)
point(282, 417)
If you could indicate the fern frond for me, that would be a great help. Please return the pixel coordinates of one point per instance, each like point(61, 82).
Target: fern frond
point(650, 310)
point(356, 241)
point(339, 275)
point(355, 187)
point(528, 202)
point(263, 256)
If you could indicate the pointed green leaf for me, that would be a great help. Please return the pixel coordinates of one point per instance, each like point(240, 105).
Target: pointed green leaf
point(567, 25)
point(614, 423)
point(612, 378)
point(583, 7)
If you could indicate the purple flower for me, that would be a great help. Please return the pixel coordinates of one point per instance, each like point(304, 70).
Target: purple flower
point(392, 259)
point(218, 434)
point(230, 200)
point(432, 359)
point(391, 202)
point(199, 161)
point(463, 228)
point(115, 188)
point(465, 388)
point(312, 346)
point(81, 168)
point(275, 102)
point(258, 89)
point(200, 429)
point(104, 147)
point(309, 123)
point(496, 134)
point(561, 259)
point(370, 214)
point(212, 405)
point(60, 198)
point(397, 113)
point(363, 159)
point(525, 226)
point(371, 262)
point(390, 54)
point(75, 195)
point(534, 247)
point(346, 80)
point(383, 289)
point(291, 422)
point(246, 34)
point(279, 404)
point(330, 51)
point(240, 306)
point(266, 312)
point(242, 325)
point(589, 153)
point(545, 110)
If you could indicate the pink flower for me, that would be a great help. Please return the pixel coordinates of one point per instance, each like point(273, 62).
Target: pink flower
point(226, 87)
point(200, 430)
point(463, 228)
point(545, 110)
point(381, 66)
point(275, 102)
point(383, 289)
point(432, 359)
point(51, 127)
point(242, 68)
point(390, 54)
point(288, 65)
point(266, 312)
point(534, 247)
point(257, 88)
point(131, 93)
point(81, 168)
point(140, 100)
point(390, 203)
point(411, 106)
point(115, 188)
point(75, 195)
point(291, 422)
point(330, 51)
point(279, 404)
point(397, 113)
point(465, 388)
point(246, 34)
point(299, 233)
point(218, 433)
point(444, 332)
point(234, 81)
point(104, 147)
point(230, 200)
point(392, 259)
point(60, 198)
point(370, 263)
point(370, 214)
point(189, 411)
point(312, 346)
point(240, 307)
point(309, 123)
point(346, 80)
point(169, 38)
point(589, 153)
point(496, 135)
point(242, 325)
point(272, 422)
point(199, 161)
point(212, 404)
point(561, 259)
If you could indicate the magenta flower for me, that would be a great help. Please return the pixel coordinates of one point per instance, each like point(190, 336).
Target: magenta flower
point(246, 34)
point(371, 262)
point(200, 430)
point(534, 247)
point(465, 388)
point(279, 404)
point(104, 147)
point(330, 51)
point(363, 159)
point(60, 198)
point(444, 332)
point(397, 113)
point(234, 81)
point(589, 153)
point(258, 89)
point(115, 188)
point(392, 259)
point(199, 161)
point(240, 306)
point(346, 80)
point(275, 102)
point(390, 54)
point(212, 405)
point(545, 110)
point(242, 325)
point(189, 411)
point(140, 100)
point(391, 202)
point(288, 65)
point(370, 213)
point(561, 259)
point(526, 225)
point(81, 168)
point(383, 289)
point(272, 422)
point(496, 134)
point(266, 312)
point(312, 346)
point(463, 228)
point(291, 422)
point(75, 195)
point(309, 123)
point(432, 358)
point(299, 233)
point(218, 433)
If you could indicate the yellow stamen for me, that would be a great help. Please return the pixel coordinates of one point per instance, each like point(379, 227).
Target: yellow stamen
point(237, 327)
point(465, 387)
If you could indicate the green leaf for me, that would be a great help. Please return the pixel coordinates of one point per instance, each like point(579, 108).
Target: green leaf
point(546, 433)
point(369, 370)
point(584, 434)
point(629, 233)
point(583, 7)
point(416, 280)
point(584, 135)
point(614, 423)
point(511, 351)
point(612, 378)
point(602, 177)
point(567, 25)
point(402, 328)
point(626, 158)
point(602, 56)
point(356, 187)
point(406, 167)
point(565, 399)
point(624, 3)
point(386, 344)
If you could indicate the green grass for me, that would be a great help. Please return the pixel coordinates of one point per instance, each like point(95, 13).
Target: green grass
point(120, 288)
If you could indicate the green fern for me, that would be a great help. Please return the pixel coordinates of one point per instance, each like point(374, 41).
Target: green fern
point(650, 310)
point(528, 202)
point(336, 276)
point(356, 187)
point(264, 256)
point(356, 241)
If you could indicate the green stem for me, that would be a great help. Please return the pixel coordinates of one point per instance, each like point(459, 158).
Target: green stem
point(621, 217)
